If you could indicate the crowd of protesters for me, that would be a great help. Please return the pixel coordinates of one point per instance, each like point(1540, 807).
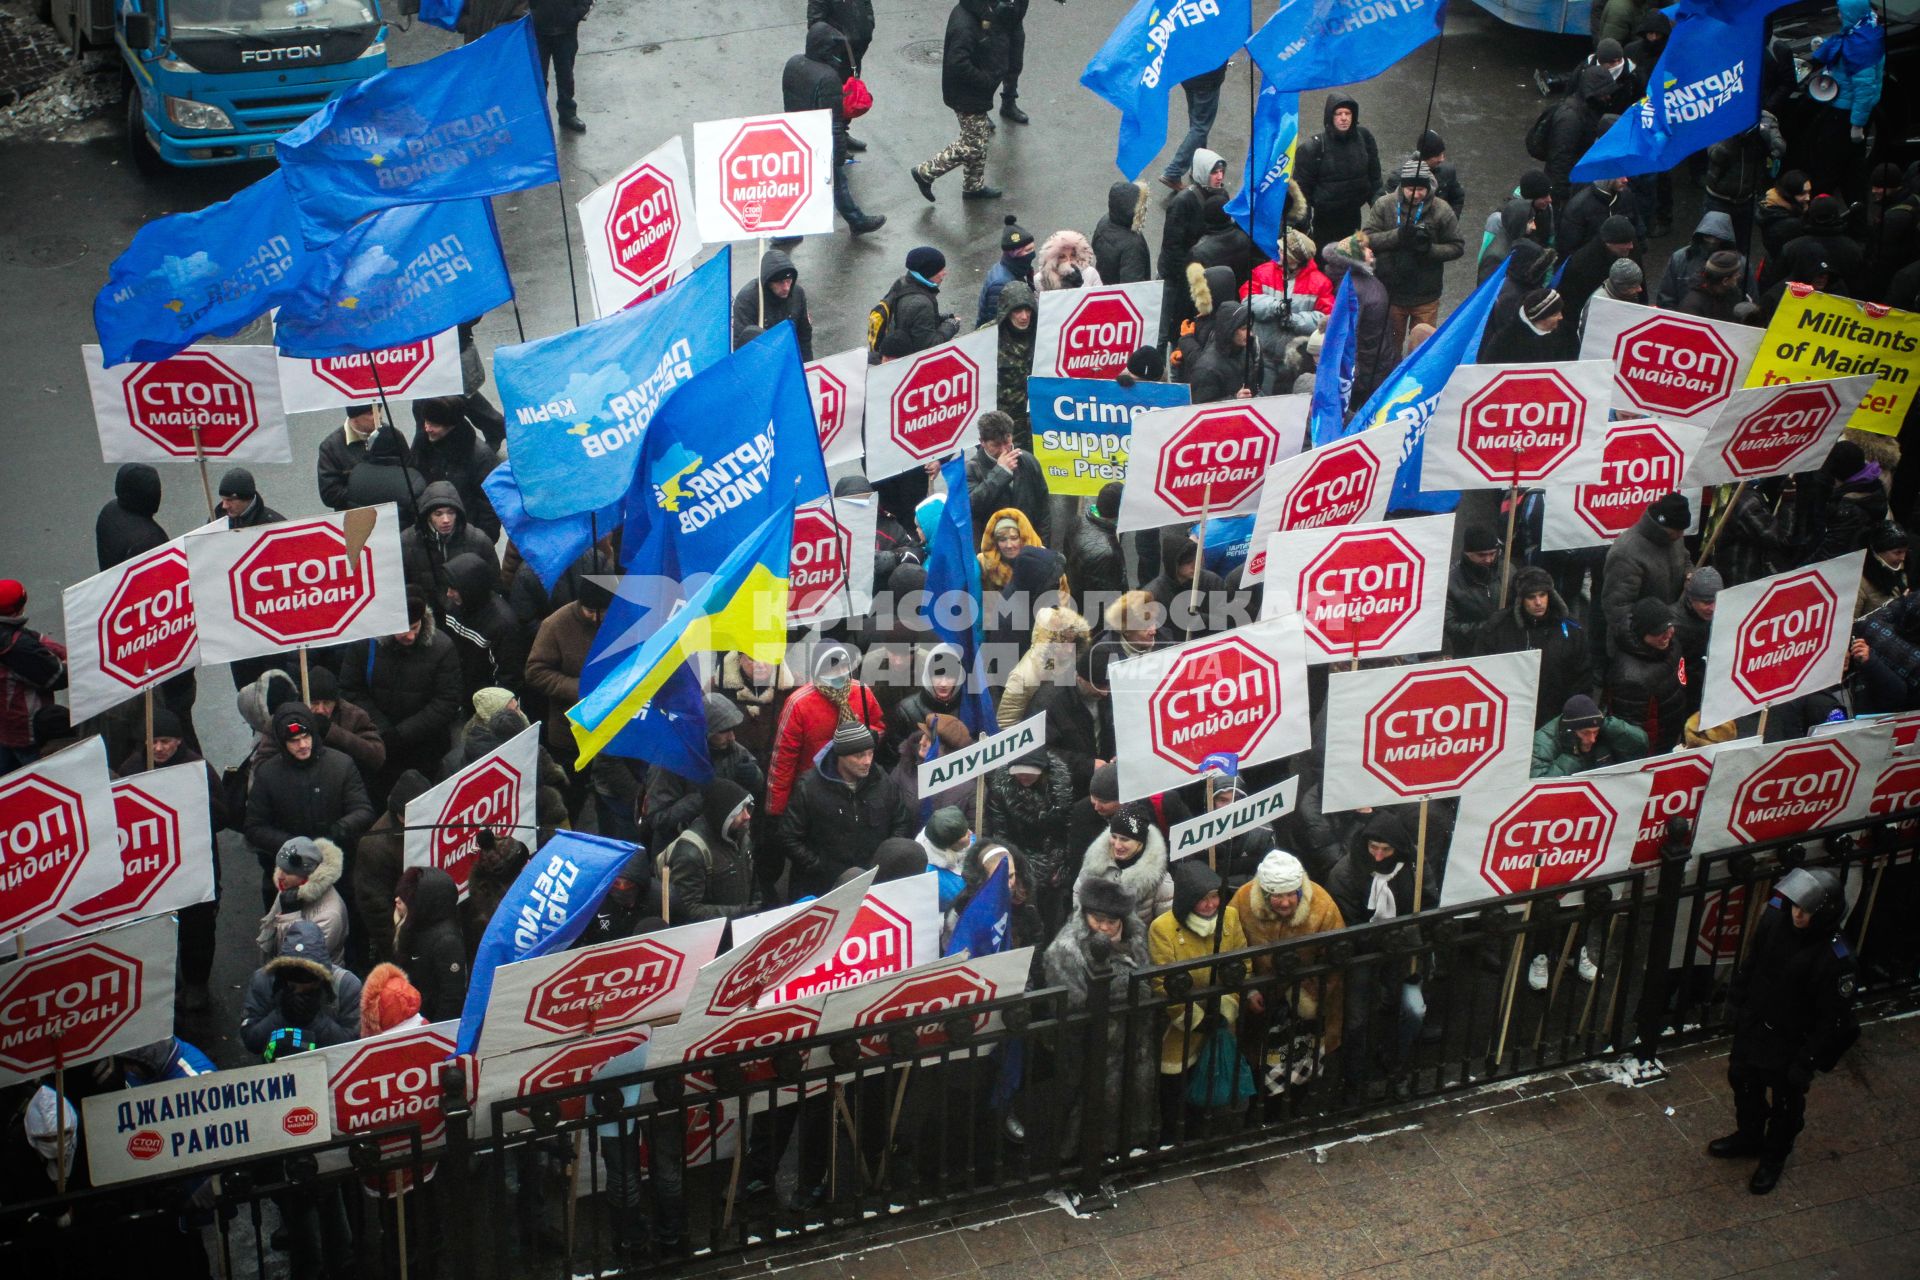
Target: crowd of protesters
point(814, 758)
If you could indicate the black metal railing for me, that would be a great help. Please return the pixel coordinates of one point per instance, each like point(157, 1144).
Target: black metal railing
point(746, 1154)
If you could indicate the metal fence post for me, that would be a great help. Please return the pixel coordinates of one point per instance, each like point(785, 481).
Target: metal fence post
point(1656, 985)
point(456, 1166)
point(1092, 1084)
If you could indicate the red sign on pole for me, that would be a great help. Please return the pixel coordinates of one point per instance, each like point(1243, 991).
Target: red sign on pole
point(605, 987)
point(1219, 696)
point(1551, 837)
point(1679, 783)
point(486, 800)
point(575, 1065)
point(300, 586)
point(754, 1029)
point(108, 992)
point(821, 557)
point(1806, 785)
point(148, 626)
point(1522, 425)
point(381, 373)
point(1779, 642)
point(774, 955)
point(1098, 336)
point(1362, 590)
point(169, 400)
point(1674, 365)
point(1435, 731)
point(1771, 438)
point(642, 224)
point(932, 998)
point(150, 851)
point(44, 835)
point(395, 1079)
point(932, 406)
point(1642, 463)
point(1216, 461)
point(1335, 490)
point(766, 172)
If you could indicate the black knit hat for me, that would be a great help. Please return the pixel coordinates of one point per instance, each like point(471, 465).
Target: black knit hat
point(1102, 897)
point(1480, 537)
point(1616, 230)
point(1580, 712)
point(1430, 145)
point(1535, 185)
point(238, 483)
point(1671, 512)
point(1132, 821)
point(1014, 237)
point(1650, 617)
point(1844, 460)
point(851, 738)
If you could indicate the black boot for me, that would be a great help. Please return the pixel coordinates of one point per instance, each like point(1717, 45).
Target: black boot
point(982, 193)
point(866, 226)
point(854, 144)
point(922, 181)
point(1734, 1146)
point(1766, 1176)
point(1010, 108)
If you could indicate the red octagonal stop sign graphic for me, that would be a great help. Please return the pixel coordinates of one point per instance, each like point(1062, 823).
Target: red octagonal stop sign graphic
point(1565, 828)
point(1803, 787)
point(772, 958)
point(604, 988)
point(933, 405)
point(1334, 490)
point(1641, 464)
point(1434, 731)
point(65, 1010)
point(1678, 787)
point(149, 836)
point(829, 404)
point(1897, 791)
point(1673, 365)
point(168, 399)
point(575, 1065)
point(1520, 426)
point(1216, 462)
point(297, 586)
point(43, 837)
point(761, 1029)
point(1361, 591)
point(1782, 639)
point(395, 1080)
point(1773, 438)
point(643, 224)
point(147, 631)
point(383, 373)
point(930, 998)
point(822, 551)
point(1220, 696)
point(488, 799)
point(1098, 337)
point(765, 175)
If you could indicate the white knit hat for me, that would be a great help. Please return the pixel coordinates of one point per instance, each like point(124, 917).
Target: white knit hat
point(1280, 872)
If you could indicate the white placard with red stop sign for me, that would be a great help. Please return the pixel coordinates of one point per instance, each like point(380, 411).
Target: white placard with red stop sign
point(1243, 692)
point(395, 1079)
point(173, 1126)
point(1207, 459)
point(645, 978)
point(922, 408)
point(1499, 426)
point(544, 1068)
point(1643, 460)
point(694, 1039)
point(495, 793)
point(896, 928)
point(639, 228)
point(1363, 590)
point(1545, 833)
point(921, 1001)
point(228, 398)
point(1779, 637)
point(1771, 431)
point(164, 831)
point(830, 568)
point(129, 628)
point(280, 586)
point(413, 370)
point(796, 943)
point(57, 828)
point(101, 994)
point(838, 385)
point(1781, 790)
point(1428, 731)
point(1089, 333)
point(1679, 785)
point(1677, 368)
point(764, 176)
point(1346, 482)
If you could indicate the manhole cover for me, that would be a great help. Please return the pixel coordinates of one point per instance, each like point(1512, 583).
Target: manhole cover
point(928, 53)
point(47, 251)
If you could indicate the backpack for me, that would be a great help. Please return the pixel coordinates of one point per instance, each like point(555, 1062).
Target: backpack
point(690, 835)
point(1540, 132)
point(878, 321)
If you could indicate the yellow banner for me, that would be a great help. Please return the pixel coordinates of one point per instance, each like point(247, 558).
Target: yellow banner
point(1818, 335)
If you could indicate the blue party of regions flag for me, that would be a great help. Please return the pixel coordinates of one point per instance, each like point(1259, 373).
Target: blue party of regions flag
point(401, 275)
point(1317, 44)
point(444, 14)
point(549, 546)
point(1260, 205)
point(953, 576)
point(1706, 87)
point(470, 122)
point(189, 276)
point(1156, 45)
point(1335, 381)
point(578, 403)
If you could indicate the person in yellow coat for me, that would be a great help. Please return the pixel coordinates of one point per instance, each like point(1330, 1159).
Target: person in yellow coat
point(1187, 933)
point(1279, 903)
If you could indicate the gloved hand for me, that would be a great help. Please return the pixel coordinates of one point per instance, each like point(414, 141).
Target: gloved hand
point(1419, 237)
point(289, 901)
point(1858, 133)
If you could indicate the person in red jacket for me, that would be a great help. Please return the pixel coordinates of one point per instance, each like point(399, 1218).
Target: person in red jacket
point(808, 720)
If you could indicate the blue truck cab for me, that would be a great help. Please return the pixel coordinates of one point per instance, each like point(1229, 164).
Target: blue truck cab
point(216, 81)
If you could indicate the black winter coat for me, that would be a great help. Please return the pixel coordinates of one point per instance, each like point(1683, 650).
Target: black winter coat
point(974, 59)
point(1036, 818)
point(412, 692)
point(1473, 597)
point(991, 487)
point(1224, 244)
point(1375, 350)
point(425, 553)
point(816, 80)
point(1180, 230)
point(1077, 733)
point(1580, 221)
point(491, 645)
point(1648, 688)
point(386, 474)
point(1338, 173)
point(1792, 998)
point(1575, 123)
point(793, 307)
point(674, 802)
point(337, 458)
point(461, 459)
point(1565, 665)
point(916, 314)
point(1095, 566)
point(851, 18)
point(830, 828)
point(1120, 252)
point(125, 527)
point(431, 948)
point(708, 877)
point(321, 796)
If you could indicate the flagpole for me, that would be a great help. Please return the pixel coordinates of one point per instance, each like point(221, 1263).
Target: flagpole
point(200, 456)
point(566, 238)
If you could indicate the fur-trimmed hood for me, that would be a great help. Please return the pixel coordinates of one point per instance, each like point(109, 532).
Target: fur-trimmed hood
point(325, 876)
point(1208, 285)
point(1127, 204)
point(1060, 251)
point(1142, 879)
point(303, 947)
point(1058, 624)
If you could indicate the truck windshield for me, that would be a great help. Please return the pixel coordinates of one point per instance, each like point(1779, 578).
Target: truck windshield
point(261, 17)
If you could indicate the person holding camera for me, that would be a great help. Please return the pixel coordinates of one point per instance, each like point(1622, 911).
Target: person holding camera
point(1414, 234)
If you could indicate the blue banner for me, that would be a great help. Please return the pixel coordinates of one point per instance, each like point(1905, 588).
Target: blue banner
point(547, 545)
point(469, 122)
point(400, 276)
point(444, 14)
point(1406, 399)
point(1705, 88)
point(1333, 376)
point(1320, 44)
point(578, 403)
point(1083, 427)
point(982, 929)
point(1158, 44)
point(189, 276)
point(1260, 205)
point(953, 577)
point(553, 899)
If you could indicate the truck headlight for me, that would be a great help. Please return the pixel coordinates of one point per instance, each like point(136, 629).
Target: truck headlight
point(178, 64)
point(377, 49)
point(189, 114)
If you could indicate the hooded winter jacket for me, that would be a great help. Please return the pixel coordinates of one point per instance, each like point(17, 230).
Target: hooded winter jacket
point(995, 572)
point(1566, 667)
point(1127, 1063)
point(815, 80)
point(1183, 224)
point(1643, 562)
point(1225, 365)
point(1556, 753)
point(125, 526)
point(1013, 364)
point(554, 664)
point(675, 802)
point(1579, 223)
point(32, 666)
point(1224, 244)
point(328, 1010)
point(412, 691)
point(831, 827)
point(1351, 881)
point(1095, 565)
point(425, 552)
point(1062, 256)
point(320, 797)
point(1339, 173)
point(462, 459)
point(1145, 879)
point(1171, 938)
point(916, 315)
point(318, 902)
point(1847, 58)
point(1647, 688)
point(1574, 126)
point(1058, 636)
point(491, 646)
point(1684, 264)
point(792, 308)
point(1120, 252)
point(429, 946)
point(708, 874)
point(1036, 819)
point(807, 722)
